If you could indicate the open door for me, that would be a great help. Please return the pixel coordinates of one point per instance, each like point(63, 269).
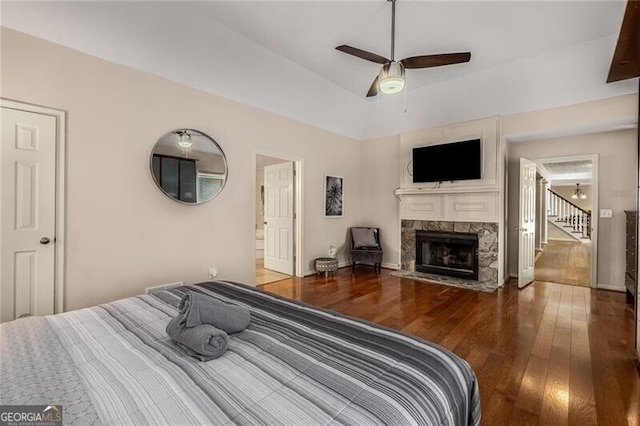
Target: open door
point(278, 218)
point(526, 222)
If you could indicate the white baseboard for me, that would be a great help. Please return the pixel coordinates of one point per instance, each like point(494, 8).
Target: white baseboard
point(611, 287)
point(388, 265)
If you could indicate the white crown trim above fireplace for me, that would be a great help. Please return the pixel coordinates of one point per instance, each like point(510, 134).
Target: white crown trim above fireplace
point(454, 207)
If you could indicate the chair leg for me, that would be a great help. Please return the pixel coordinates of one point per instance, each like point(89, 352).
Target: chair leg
point(353, 266)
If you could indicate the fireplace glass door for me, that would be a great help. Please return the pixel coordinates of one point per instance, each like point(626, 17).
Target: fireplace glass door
point(447, 253)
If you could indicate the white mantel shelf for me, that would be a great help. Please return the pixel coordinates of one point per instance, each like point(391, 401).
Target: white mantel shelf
point(448, 190)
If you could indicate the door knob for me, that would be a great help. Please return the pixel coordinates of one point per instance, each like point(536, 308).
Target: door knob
point(44, 240)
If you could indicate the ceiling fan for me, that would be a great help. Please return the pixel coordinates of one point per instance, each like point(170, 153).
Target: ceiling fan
point(391, 76)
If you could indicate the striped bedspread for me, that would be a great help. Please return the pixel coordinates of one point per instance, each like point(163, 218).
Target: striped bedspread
point(294, 364)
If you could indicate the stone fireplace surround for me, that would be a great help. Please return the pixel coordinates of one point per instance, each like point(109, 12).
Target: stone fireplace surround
point(487, 251)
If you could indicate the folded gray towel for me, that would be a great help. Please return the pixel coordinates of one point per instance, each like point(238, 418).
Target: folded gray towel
point(204, 342)
point(197, 308)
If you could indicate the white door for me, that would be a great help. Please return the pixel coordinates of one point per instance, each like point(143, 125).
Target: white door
point(278, 218)
point(526, 222)
point(27, 213)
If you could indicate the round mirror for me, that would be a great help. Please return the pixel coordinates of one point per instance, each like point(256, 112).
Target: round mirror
point(188, 166)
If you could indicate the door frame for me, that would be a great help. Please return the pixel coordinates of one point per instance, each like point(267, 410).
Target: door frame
point(298, 206)
point(60, 185)
point(595, 213)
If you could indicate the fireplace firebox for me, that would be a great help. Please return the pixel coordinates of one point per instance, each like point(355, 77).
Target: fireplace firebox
point(447, 253)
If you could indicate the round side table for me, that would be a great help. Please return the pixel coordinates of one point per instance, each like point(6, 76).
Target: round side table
point(326, 265)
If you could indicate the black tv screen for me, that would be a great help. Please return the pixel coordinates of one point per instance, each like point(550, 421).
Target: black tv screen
point(448, 162)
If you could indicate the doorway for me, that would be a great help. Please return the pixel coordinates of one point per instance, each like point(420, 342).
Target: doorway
point(277, 232)
point(566, 226)
point(32, 156)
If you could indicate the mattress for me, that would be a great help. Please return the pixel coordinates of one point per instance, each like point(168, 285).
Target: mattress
point(294, 364)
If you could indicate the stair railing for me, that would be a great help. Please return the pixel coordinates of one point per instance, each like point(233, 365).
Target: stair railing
point(570, 215)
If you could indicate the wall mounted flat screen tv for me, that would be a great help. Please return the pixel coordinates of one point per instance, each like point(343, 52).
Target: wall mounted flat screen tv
point(448, 162)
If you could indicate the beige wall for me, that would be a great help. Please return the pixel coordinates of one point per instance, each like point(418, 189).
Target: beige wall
point(554, 233)
point(123, 234)
point(617, 153)
point(381, 175)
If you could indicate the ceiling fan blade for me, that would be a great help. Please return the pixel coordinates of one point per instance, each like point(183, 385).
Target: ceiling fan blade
point(362, 54)
point(373, 90)
point(428, 61)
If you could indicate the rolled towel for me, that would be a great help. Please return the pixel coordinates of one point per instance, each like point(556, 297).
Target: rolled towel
point(204, 342)
point(197, 308)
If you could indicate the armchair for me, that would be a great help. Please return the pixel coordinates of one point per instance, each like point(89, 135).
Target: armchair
point(365, 247)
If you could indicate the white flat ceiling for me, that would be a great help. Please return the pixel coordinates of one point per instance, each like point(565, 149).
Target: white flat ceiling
point(568, 172)
point(281, 56)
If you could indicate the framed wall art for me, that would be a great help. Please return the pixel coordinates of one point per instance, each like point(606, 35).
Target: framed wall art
point(333, 196)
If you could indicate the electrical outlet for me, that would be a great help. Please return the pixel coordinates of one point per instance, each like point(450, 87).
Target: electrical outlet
point(213, 272)
point(160, 287)
point(606, 213)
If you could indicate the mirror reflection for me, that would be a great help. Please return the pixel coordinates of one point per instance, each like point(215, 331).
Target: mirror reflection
point(189, 166)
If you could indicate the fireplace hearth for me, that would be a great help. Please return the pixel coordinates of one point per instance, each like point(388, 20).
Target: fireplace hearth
point(452, 254)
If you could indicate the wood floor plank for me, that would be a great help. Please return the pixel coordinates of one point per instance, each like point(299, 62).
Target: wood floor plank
point(547, 354)
point(532, 386)
point(555, 405)
point(565, 262)
point(605, 360)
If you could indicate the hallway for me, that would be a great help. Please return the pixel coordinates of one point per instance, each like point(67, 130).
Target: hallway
point(565, 262)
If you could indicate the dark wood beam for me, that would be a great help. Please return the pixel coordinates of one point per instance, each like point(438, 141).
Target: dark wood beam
point(626, 58)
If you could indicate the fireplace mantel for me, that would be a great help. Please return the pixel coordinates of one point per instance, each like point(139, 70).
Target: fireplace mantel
point(480, 201)
point(479, 204)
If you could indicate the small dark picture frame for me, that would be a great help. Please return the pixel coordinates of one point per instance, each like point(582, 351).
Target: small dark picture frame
point(333, 196)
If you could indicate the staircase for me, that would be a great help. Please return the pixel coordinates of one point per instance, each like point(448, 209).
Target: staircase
point(571, 219)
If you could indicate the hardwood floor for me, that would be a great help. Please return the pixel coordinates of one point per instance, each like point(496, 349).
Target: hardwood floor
point(264, 276)
point(548, 354)
point(565, 262)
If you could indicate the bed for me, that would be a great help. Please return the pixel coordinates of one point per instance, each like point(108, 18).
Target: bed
point(294, 364)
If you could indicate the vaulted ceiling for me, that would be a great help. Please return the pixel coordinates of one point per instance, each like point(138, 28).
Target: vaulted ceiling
point(281, 57)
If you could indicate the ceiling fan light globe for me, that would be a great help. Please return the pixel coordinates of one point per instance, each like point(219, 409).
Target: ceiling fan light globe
point(391, 78)
point(391, 85)
point(184, 140)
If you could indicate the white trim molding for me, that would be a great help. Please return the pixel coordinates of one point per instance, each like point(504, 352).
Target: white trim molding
point(611, 287)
